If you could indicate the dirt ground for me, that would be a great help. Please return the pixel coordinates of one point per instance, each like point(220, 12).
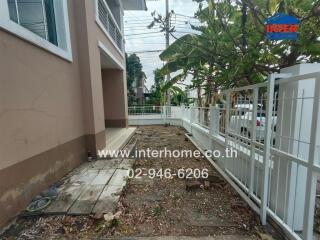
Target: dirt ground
point(159, 206)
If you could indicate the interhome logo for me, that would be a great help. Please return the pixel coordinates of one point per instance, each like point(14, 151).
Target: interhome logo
point(281, 27)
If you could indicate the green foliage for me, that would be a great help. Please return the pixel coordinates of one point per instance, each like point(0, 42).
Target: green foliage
point(156, 98)
point(161, 86)
point(231, 50)
point(157, 211)
point(134, 73)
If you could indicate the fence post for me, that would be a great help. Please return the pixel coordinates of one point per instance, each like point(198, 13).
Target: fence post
point(182, 113)
point(214, 120)
point(164, 114)
point(226, 127)
point(309, 205)
point(255, 97)
point(266, 151)
point(192, 115)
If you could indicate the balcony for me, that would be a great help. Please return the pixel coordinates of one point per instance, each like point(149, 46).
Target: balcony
point(106, 19)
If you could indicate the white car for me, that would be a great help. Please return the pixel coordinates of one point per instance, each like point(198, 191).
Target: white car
point(241, 123)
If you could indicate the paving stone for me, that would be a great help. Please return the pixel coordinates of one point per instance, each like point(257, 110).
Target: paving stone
point(99, 164)
point(108, 200)
point(126, 164)
point(86, 201)
point(103, 177)
point(119, 178)
point(112, 164)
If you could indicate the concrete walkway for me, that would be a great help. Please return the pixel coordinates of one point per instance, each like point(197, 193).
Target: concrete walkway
point(92, 188)
point(117, 138)
point(95, 187)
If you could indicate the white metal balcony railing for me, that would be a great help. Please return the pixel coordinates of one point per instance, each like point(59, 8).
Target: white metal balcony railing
point(110, 24)
point(275, 128)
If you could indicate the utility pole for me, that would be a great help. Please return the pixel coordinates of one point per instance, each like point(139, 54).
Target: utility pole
point(167, 95)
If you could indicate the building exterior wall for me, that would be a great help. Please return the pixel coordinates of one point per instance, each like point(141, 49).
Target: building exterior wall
point(51, 109)
point(95, 122)
point(115, 98)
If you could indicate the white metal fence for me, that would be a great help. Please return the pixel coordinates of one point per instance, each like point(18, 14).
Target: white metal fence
point(275, 129)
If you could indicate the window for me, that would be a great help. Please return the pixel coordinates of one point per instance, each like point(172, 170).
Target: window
point(35, 15)
point(43, 22)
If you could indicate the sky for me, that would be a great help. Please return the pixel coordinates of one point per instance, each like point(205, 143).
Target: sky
point(140, 39)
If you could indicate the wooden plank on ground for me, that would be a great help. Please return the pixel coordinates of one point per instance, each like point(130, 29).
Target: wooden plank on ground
point(108, 200)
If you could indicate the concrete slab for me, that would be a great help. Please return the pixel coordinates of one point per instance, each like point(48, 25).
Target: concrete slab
point(112, 163)
point(117, 138)
point(108, 200)
point(91, 190)
point(126, 164)
point(99, 164)
point(65, 200)
point(103, 177)
point(95, 186)
point(119, 178)
point(86, 201)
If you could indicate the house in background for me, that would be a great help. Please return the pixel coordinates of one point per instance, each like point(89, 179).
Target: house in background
point(139, 89)
point(62, 78)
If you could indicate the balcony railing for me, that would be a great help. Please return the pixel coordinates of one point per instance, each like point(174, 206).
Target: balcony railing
point(109, 24)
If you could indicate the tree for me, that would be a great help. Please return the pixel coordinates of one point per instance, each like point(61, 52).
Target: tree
point(159, 89)
point(156, 97)
point(231, 50)
point(135, 75)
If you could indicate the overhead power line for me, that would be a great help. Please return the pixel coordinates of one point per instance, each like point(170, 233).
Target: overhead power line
point(146, 51)
point(144, 33)
point(144, 43)
point(127, 39)
point(185, 16)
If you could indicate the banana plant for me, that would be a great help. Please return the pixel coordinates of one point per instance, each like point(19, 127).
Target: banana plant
point(231, 49)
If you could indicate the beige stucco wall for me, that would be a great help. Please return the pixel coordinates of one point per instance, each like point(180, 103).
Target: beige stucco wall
point(42, 133)
point(45, 100)
point(95, 34)
point(40, 99)
point(51, 110)
point(115, 97)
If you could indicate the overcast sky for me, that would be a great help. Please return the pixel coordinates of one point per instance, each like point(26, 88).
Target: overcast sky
point(140, 39)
